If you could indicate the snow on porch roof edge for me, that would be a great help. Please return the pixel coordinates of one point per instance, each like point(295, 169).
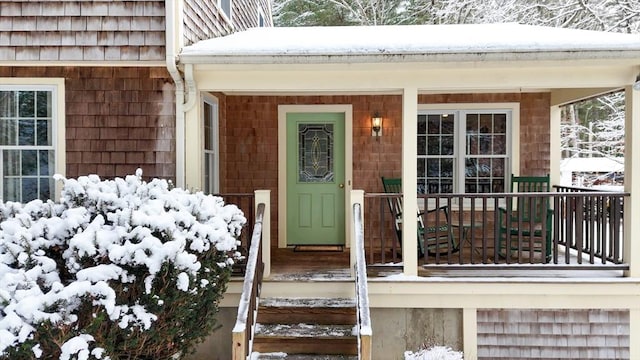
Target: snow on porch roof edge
point(463, 42)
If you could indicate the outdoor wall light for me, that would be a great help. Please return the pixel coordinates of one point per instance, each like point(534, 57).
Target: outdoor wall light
point(376, 125)
point(636, 85)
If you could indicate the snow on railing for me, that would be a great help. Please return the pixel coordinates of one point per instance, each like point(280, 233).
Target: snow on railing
point(247, 309)
point(365, 331)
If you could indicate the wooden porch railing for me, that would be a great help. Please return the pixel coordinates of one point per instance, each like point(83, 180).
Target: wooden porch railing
point(247, 309)
point(586, 231)
point(365, 331)
point(596, 224)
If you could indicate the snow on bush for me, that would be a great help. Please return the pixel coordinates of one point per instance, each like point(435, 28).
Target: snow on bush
point(434, 353)
point(116, 269)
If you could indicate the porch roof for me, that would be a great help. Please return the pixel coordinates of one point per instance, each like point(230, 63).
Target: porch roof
point(412, 43)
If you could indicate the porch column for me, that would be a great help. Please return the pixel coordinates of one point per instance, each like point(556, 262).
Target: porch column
point(193, 149)
point(409, 181)
point(632, 184)
point(555, 147)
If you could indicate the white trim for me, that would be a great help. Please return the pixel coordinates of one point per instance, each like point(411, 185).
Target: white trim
point(215, 139)
point(226, 16)
point(347, 109)
point(58, 133)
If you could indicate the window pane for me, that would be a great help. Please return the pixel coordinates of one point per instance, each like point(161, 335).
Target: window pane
point(500, 123)
point(7, 104)
point(433, 167)
point(499, 145)
point(448, 145)
point(29, 189)
point(11, 162)
point(11, 189)
point(44, 104)
point(315, 153)
point(422, 145)
point(434, 124)
point(46, 184)
point(207, 127)
point(433, 145)
point(448, 124)
point(46, 161)
point(26, 104)
point(8, 132)
point(29, 162)
point(422, 124)
point(486, 123)
point(43, 132)
point(26, 132)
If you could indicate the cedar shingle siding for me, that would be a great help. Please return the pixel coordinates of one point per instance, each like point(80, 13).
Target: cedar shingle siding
point(553, 334)
point(117, 118)
point(99, 30)
point(205, 19)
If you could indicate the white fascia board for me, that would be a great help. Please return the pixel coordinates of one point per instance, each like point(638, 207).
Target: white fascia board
point(452, 57)
point(390, 79)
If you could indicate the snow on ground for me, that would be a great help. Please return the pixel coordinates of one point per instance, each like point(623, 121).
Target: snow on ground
point(434, 353)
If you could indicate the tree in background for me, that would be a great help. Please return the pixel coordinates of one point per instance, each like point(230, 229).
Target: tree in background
point(594, 127)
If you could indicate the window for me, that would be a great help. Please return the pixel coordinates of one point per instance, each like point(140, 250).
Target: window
point(463, 151)
point(225, 5)
point(27, 142)
point(211, 158)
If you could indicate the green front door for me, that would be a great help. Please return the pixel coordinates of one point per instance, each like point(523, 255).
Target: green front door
point(315, 179)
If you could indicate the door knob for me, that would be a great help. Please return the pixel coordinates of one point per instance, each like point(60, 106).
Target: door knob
point(341, 186)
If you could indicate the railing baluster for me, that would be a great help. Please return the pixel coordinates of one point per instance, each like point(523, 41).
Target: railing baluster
point(585, 229)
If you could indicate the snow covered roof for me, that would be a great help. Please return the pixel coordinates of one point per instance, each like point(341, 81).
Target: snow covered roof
point(477, 41)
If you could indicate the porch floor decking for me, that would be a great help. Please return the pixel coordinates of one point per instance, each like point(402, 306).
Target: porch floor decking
point(289, 265)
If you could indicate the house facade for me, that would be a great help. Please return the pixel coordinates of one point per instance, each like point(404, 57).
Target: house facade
point(500, 87)
point(106, 87)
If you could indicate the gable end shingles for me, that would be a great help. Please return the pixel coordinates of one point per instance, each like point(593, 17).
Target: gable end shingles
point(97, 30)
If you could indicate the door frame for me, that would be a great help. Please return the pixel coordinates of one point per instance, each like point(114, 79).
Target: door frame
point(347, 110)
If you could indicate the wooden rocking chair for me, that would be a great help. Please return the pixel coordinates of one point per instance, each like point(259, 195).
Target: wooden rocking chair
point(436, 236)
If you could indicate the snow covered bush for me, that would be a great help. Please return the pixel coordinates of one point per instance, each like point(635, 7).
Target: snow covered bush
point(118, 269)
point(434, 353)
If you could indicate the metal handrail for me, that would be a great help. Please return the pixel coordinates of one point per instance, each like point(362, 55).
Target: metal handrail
point(247, 309)
point(365, 331)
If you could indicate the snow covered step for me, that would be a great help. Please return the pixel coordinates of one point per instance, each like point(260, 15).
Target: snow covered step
point(307, 310)
point(285, 356)
point(305, 339)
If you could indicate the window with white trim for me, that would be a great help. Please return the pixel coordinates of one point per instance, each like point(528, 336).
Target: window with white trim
point(225, 5)
point(463, 151)
point(211, 157)
point(27, 142)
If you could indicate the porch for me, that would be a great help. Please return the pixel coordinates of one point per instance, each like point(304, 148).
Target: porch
point(591, 259)
point(587, 239)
